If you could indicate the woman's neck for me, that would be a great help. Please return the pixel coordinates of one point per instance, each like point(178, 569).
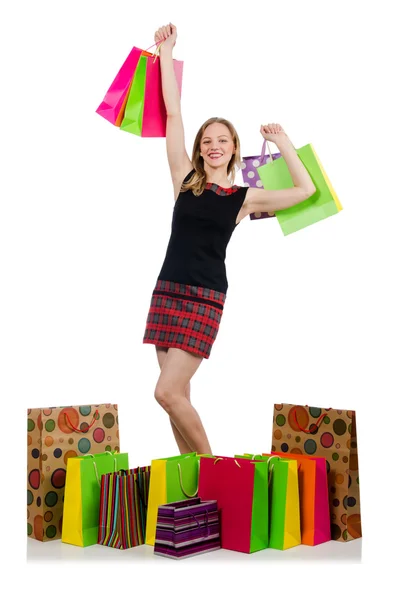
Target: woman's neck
point(218, 177)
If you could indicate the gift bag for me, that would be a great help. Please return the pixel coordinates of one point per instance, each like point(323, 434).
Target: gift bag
point(283, 501)
point(82, 495)
point(123, 508)
point(251, 178)
point(240, 488)
point(172, 479)
point(113, 105)
point(331, 434)
point(187, 528)
point(145, 113)
point(324, 203)
point(54, 435)
point(313, 498)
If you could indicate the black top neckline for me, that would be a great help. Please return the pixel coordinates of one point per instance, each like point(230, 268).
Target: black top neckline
point(232, 187)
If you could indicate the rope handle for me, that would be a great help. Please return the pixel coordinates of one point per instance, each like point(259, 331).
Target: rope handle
point(96, 468)
point(156, 53)
point(264, 151)
point(136, 482)
point(181, 482)
point(270, 473)
point(319, 420)
point(220, 458)
point(138, 486)
point(81, 430)
point(206, 525)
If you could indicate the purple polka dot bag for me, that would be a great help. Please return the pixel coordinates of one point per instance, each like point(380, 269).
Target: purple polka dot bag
point(251, 178)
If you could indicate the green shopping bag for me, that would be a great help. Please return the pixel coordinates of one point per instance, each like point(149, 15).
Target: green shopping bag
point(171, 479)
point(324, 203)
point(82, 495)
point(284, 515)
point(133, 114)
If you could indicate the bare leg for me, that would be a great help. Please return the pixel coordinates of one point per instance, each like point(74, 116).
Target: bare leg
point(183, 446)
point(178, 369)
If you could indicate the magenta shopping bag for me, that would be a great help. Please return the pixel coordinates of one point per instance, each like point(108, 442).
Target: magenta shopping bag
point(113, 105)
point(251, 178)
point(154, 113)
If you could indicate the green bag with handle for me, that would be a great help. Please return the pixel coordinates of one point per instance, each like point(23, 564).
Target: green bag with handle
point(284, 515)
point(171, 479)
point(133, 114)
point(324, 203)
point(82, 495)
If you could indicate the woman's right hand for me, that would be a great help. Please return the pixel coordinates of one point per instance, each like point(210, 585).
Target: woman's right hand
point(166, 36)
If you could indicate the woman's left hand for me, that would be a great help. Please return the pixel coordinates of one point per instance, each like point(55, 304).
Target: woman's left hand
point(273, 132)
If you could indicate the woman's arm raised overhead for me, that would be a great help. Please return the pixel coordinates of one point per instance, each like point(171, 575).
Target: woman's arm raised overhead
point(258, 200)
point(178, 159)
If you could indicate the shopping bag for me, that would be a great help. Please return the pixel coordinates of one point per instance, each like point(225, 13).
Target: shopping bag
point(82, 495)
point(283, 501)
point(145, 114)
point(172, 479)
point(240, 488)
point(324, 203)
point(331, 434)
point(313, 498)
point(251, 178)
point(54, 435)
point(187, 528)
point(123, 508)
point(113, 105)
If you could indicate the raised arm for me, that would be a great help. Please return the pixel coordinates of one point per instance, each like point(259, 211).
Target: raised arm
point(178, 159)
point(259, 200)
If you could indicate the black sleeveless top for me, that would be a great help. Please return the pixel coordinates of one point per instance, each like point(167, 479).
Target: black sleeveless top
point(201, 229)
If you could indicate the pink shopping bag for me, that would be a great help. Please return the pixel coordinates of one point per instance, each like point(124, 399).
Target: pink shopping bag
point(112, 106)
point(154, 113)
point(240, 488)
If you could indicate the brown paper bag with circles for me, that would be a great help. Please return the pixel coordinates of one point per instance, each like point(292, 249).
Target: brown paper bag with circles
point(332, 434)
point(54, 435)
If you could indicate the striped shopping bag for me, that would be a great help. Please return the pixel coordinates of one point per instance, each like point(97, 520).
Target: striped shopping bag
point(186, 528)
point(123, 508)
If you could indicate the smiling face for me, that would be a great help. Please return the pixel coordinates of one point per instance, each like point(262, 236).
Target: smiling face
point(216, 146)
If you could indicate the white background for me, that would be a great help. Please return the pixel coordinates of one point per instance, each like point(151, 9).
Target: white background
point(85, 218)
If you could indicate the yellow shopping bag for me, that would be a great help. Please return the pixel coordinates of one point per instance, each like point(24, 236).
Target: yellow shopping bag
point(172, 479)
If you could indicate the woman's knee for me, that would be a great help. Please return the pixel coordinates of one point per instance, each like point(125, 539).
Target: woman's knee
point(165, 396)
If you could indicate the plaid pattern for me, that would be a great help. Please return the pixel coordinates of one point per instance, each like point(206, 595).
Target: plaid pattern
point(221, 191)
point(184, 316)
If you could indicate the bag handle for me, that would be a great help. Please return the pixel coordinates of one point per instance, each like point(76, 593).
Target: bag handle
point(156, 53)
point(135, 479)
point(264, 151)
point(206, 525)
point(81, 430)
point(319, 421)
point(220, 458)
point(138, 486)
point(181, 482)
point(96, 468)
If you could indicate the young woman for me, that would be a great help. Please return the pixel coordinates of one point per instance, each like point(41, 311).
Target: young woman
point(188, 299)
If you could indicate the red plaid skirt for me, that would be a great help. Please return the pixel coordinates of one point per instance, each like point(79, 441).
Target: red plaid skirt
point(184, 316)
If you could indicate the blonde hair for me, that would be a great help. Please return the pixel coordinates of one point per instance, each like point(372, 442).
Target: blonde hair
point(198, 179)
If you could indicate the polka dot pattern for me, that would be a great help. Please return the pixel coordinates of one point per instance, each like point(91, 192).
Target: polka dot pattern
point(335, 440)
point(251, 178)
point(51, 441)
